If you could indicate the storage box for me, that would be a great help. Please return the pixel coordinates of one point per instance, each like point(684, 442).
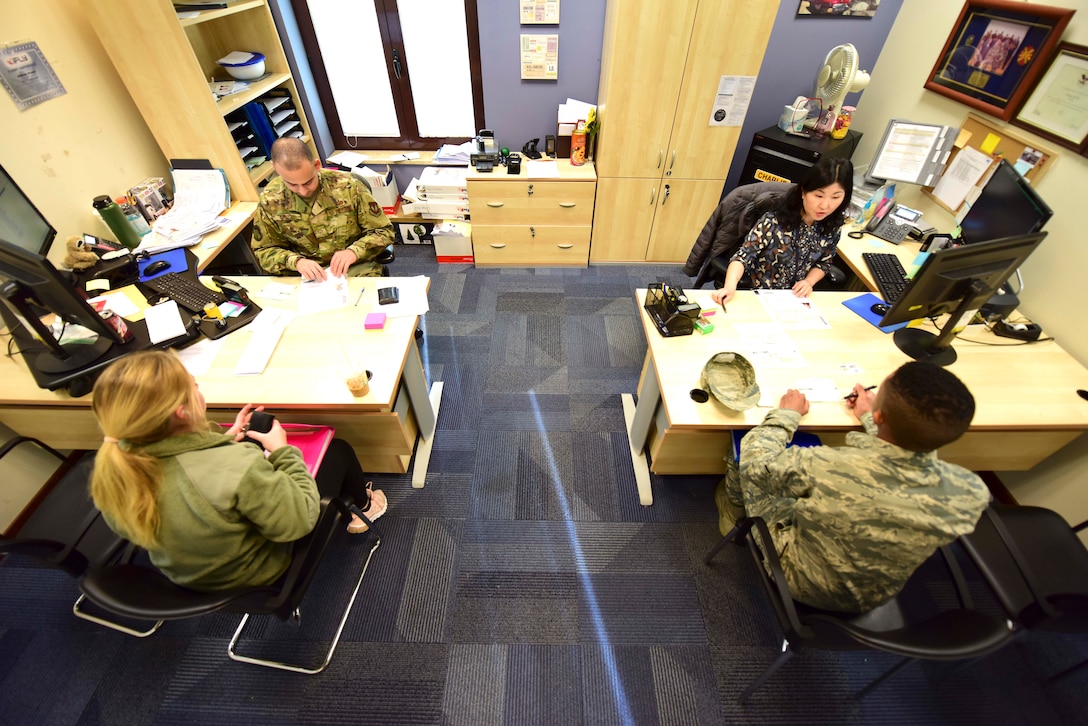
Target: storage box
point(383, 186)
point(416, 233)
point(453, 242)
point(443, 180)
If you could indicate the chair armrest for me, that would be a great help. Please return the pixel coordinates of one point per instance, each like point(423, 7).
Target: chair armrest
point(10, 445)
point(835, 274)
point(777, 576)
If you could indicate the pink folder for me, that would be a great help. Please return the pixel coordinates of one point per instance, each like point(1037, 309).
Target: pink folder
point(312, 441)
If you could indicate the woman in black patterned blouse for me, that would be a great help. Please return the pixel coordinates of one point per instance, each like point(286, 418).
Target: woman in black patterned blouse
point(791, 246)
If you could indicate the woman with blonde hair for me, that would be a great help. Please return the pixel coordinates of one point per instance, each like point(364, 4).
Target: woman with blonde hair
point(212, 512)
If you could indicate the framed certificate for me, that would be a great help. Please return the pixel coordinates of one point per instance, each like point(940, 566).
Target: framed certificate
point(1057, 108)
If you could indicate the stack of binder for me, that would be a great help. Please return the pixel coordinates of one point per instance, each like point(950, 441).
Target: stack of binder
point(257, 124)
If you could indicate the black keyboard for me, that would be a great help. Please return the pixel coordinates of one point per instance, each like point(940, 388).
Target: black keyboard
point(889, 274)
point(185, 290)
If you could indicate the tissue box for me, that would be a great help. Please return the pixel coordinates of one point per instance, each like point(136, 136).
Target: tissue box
point(453, 243)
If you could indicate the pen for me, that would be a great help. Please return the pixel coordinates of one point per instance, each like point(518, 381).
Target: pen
point(360, 298)
point(848, 396)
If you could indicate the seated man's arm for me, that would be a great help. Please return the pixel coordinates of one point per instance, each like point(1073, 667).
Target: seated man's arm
point(273, 250)
point(765, 461)
point(377, 230)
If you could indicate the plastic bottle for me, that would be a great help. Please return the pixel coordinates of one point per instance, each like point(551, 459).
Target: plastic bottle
point(134, 217)
point(842, 123)
point(115, 219)
point(578, 144)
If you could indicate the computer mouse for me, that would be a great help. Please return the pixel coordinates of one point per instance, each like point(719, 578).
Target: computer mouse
point(880, 309)
point(156, 267)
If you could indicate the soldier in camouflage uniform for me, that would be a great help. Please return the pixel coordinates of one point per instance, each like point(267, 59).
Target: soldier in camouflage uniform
point(851, 524)
point(311, 218)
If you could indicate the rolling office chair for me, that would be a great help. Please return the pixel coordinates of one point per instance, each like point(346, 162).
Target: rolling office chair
point(1036, 566)
point(951, 634)
point(144, 593)
point(386, 256)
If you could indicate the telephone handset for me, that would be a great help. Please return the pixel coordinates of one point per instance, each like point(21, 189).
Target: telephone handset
point(888, 225)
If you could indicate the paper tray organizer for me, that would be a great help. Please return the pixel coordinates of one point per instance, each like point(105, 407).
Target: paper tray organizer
point(670, 310)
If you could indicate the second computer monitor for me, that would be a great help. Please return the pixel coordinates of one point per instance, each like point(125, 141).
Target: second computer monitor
point(1007, 206)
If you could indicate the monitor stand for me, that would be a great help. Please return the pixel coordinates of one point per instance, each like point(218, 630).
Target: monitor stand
point(937, 349)
point(78, 357)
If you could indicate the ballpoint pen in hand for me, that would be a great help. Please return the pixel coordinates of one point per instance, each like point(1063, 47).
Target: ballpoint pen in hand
point(848, 396)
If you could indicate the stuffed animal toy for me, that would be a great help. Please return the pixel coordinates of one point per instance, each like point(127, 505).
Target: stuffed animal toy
point(79, 257)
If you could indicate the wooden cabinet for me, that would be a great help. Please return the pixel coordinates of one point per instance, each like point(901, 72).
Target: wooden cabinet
point(524, 220)
point(166, 62)
point(658, 158)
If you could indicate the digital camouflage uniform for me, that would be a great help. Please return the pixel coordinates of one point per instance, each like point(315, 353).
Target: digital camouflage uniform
point(342, 215)
point(851, 523)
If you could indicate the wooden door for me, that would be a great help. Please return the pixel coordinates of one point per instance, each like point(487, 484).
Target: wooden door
point(646, 44)
point(682, 211)
point(624, 214)
point(729, 39)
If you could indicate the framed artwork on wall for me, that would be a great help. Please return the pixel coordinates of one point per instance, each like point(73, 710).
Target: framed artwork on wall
point(995, 52)
point(838, 8)
point(1057, 107)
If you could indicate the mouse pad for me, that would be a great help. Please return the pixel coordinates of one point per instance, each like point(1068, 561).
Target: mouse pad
point(176, 258)
point(862, 304)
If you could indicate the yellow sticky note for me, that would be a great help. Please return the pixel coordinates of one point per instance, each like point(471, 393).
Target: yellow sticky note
point(989, 144)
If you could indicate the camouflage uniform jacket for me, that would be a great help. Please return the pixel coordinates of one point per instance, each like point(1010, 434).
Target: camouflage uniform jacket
point(342, 215)
point(852, 523)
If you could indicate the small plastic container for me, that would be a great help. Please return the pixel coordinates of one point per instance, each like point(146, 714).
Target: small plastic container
point(842, 123)
point(243, 65)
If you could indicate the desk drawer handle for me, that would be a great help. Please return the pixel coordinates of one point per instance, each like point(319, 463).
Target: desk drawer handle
point(653, 196)
point(566, 246)
point(496, 204)
point(568, 205)
point(498, 245)
point(532, 232)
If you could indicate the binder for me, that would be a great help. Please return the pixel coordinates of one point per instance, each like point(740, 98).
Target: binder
point(312, 441)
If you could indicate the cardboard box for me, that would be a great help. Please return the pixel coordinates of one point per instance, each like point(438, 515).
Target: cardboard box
point(383, 186)
point(443, 180)
point(453, 243)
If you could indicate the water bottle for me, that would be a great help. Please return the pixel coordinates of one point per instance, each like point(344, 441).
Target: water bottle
point(134, 217)
point(115, 219)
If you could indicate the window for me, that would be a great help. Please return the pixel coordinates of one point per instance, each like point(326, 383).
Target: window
point(395, 74)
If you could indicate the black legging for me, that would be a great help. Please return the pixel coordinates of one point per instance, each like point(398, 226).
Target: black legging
point(340, 475)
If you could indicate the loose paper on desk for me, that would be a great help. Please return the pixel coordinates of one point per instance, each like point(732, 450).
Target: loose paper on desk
point(349, 159)
point(790, 311)
point(548, 169)
point(816, 390)
point(317, 297)
point(164, 321)
point(961, 176)
point(768, 345)
point(265, 332)
point(200, 195)
point(198, 357)
point(413, 297)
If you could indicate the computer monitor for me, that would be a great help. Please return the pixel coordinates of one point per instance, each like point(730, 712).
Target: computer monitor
point(1008, 206)
point(30, 288)
point(910, 152)
point(956, 281)
point(20, 221)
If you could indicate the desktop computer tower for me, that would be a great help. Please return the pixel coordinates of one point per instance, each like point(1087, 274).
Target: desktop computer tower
point(777, 156)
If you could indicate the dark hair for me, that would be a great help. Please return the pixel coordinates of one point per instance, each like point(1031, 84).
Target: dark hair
point(925, 406)
point(823, 173)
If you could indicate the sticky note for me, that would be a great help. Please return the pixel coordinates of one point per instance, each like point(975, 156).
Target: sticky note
point(989, 144)
point(374, 321)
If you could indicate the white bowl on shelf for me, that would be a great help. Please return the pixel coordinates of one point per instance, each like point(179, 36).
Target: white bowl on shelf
point(243, 65)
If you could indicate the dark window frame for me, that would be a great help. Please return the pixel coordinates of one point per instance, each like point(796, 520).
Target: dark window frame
point(393, 42)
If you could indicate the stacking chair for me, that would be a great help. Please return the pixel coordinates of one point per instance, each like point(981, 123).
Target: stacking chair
point(1037, 568)
point(144, 593)
point(951, 634)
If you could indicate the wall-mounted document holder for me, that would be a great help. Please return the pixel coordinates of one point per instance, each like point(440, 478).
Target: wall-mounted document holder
point(670, 310)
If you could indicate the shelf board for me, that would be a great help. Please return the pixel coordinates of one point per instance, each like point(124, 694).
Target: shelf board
point(260, 172)
point(235, 7)
point(235, 101)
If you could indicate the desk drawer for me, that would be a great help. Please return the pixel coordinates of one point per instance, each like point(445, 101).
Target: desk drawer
point(521, 245)
point(557, 202)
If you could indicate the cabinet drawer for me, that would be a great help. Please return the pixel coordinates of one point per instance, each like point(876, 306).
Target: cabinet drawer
point(521, 245)
point(549, 203)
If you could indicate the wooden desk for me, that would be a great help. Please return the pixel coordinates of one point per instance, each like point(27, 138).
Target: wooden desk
point(1027, 406)
point(850, 251)
point(208, 248)
point(302, 383)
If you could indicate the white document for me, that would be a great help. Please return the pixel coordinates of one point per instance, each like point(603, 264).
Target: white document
point(542, 169)
point(732, 99)
point(816, 390)
point(792, 312)
point(412, 298)
point(767, 345)
point(961, 176)
point(275, 291)
point(265, 330)
point(198, 357)
point(200, 195)
point(317, 297)
point(164, 321)
point(348, 158)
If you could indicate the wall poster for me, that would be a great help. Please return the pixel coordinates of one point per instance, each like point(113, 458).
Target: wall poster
point(540, 57)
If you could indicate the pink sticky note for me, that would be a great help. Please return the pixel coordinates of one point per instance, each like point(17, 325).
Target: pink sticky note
point(374, 321)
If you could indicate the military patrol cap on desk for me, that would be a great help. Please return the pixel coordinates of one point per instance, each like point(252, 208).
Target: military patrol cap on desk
point(731, 378)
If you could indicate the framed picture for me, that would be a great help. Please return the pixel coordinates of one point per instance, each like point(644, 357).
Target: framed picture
point(838, 8)
point(995, 52)
point(1057, 108)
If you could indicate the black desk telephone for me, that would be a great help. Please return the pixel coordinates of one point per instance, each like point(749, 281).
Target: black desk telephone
point(893, 222)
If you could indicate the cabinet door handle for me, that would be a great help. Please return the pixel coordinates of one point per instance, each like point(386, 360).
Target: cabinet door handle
point(532, 232)
point(653, 196)
point(672, 163)
point(530, 190)
point(396, 64)
point(665, 196)
point(660, 157)
point(498, 245)
point(568, 205)
point(566, 246)
point(496, 204)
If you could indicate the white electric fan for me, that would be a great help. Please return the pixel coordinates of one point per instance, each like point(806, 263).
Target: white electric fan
point(838, 76)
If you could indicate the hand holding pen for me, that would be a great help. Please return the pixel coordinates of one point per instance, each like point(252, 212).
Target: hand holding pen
point(860, 400)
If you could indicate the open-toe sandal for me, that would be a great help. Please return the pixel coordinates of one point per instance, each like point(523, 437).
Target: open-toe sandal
point(376, 507)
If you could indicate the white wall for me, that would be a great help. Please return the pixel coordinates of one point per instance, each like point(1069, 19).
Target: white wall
point(91, 141)
point(1054, 275)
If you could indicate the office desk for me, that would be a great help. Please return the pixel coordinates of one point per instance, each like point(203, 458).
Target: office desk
point(1027, 406)
point(208, 248)
point(302, 383)
point(850, 251)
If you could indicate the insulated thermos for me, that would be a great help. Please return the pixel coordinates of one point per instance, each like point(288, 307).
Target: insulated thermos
point(115, 219)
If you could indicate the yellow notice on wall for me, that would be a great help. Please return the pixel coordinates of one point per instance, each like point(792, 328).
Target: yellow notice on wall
point(989, 144)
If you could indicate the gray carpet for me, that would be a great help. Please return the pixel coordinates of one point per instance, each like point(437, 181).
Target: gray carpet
point(524, 584)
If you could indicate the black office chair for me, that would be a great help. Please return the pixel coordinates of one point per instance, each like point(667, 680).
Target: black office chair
point(144, 593)
point(952, 634)
point(1036, 566)
point(386, 256)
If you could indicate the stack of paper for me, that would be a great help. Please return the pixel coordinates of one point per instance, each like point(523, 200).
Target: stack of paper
point(450, 154)
point(200, 195)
